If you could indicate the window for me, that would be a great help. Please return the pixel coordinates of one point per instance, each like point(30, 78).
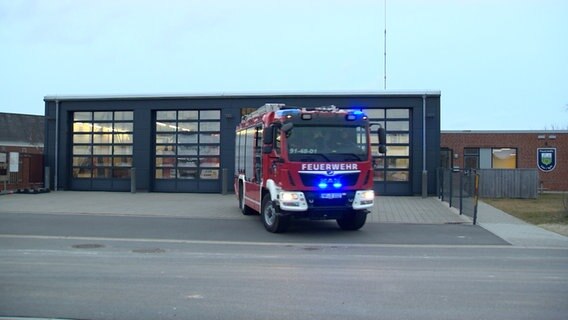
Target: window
point(471, 158)
point(102, 144)
point(328, 143)
point(187, 144)
point(504, 158)
point(258, 153)
point(395, 164)
point(446, 159)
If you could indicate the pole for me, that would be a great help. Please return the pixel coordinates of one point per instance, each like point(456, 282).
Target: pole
point(385, 49)
point(224, 182)
point(133, 180)
point(451, 185)
point(424, 171)
point(55, 180)
point(476, 198)
point(461, 191)
point(46, 177)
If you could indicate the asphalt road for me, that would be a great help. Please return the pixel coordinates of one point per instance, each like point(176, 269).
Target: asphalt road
point(101, 267)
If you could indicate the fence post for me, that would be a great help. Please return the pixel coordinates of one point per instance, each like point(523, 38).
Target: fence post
point(444, 186)
point(438, 185)
point(462, 173)
point(476, 197)
point(451, 185)
point(133, 180)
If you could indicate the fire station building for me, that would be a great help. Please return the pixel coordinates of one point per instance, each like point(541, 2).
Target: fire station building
point(185, 143)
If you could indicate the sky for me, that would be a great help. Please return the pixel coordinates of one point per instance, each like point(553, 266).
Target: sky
point(499, 64)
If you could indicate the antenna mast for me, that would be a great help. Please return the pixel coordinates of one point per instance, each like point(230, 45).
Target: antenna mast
point(385, 48)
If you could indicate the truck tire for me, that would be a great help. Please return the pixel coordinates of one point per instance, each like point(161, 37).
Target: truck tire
point(273, 222)
point(352, 221)
point(246, 210)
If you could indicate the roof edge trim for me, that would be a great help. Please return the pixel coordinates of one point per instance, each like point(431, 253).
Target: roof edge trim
point(241, 95)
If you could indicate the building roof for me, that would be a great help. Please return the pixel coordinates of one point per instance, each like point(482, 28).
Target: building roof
point(242, 95)
point(21, 130)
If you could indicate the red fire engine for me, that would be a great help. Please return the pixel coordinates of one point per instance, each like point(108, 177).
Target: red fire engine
point(305, 163)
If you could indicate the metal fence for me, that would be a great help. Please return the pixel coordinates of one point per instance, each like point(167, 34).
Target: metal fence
point(508, 183)
point(460, 189)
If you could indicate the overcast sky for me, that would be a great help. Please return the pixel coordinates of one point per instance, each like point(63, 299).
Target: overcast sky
point(499, 64)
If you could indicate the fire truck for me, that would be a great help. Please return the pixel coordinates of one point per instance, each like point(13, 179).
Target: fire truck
point(313, 163)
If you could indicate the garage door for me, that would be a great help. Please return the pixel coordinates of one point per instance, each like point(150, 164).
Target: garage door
point(187, 153)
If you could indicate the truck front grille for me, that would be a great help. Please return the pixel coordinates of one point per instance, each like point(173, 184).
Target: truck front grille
point(312, 180)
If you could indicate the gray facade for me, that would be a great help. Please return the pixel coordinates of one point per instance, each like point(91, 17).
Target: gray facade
point(184, 143)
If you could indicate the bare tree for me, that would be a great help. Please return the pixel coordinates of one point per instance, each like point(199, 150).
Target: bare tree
point(554, 127)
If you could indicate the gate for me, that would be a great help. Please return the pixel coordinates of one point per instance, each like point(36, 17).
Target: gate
point(460, 189)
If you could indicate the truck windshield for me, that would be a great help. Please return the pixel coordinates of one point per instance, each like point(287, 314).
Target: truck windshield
point(327, 143)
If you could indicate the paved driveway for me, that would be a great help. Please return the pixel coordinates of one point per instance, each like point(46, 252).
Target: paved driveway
point(214, 206)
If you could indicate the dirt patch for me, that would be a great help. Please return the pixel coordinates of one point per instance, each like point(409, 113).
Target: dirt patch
point(547, 209)
point(554, 227)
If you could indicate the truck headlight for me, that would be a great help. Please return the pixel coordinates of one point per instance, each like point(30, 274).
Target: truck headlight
point(364, 199)
point(292, 201)
point(368, 195)
point(289, 196)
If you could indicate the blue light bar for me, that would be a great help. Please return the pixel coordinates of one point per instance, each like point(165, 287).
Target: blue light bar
point(322, 185)
point(337, 185)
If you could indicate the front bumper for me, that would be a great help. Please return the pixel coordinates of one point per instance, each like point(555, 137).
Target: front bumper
point(297, 201)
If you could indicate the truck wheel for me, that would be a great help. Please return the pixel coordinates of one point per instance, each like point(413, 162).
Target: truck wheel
point(352, 220)
point(272, 221)
point(246, 210)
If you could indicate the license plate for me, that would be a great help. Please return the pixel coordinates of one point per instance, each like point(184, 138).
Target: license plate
point(331, 195)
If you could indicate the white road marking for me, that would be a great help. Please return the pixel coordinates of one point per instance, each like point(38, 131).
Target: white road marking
point(275, 244)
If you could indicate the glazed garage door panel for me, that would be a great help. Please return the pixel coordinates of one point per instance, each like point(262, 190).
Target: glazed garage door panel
point(187, 151)
point(101, 150)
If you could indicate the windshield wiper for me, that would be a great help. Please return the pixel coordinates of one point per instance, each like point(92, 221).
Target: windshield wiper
point(311, 156)
point(351, 155)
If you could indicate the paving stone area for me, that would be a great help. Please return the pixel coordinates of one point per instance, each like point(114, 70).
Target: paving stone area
point(387, 209)
point(414, 210)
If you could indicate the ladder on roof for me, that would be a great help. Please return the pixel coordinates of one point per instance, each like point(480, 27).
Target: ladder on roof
point(330, 108)
point(269, 107)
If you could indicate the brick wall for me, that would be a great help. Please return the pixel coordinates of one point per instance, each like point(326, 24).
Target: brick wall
point(526, 144)
point(30, 174)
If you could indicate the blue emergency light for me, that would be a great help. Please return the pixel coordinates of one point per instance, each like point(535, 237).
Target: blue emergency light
point(354, 114)
point(324, 184)
point(287, 113)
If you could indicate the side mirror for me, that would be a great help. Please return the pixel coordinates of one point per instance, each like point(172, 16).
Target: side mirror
point(268, 135)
